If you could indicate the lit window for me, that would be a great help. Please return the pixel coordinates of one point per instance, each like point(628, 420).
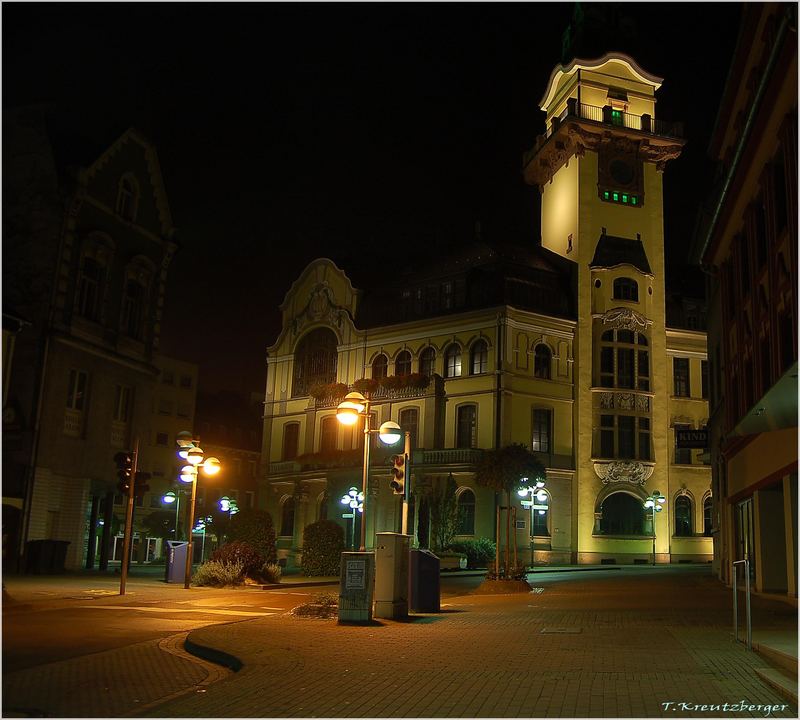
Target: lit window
point(452, 361)
point(542, 422)
point(427, 361)
point(479, 355)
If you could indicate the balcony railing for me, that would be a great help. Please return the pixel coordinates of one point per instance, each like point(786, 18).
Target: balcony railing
point(380, 394)
point(616, 118)
point(452, 456)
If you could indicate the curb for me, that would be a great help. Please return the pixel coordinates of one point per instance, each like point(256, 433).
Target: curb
point(218, 657)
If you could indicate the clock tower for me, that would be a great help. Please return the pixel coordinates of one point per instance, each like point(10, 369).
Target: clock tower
point(599, 168)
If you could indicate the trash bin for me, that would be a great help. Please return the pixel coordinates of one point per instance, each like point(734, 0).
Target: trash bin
point(45, 557)
point(423, 581)
point(175, 567)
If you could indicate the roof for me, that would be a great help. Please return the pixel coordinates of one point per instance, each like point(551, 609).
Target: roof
point(612, 251)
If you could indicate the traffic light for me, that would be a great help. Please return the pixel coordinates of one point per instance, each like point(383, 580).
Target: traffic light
point(124, 463)
point(399, 474)
point(140, 487)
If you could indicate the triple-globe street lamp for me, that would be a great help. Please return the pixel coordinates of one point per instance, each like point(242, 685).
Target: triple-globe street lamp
point(654, 503)
point(189, 450)
point(354, 406)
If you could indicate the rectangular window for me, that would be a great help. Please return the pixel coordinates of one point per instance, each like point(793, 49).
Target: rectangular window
point(643, 370)
point(607, 367)
point(540, 441)
point(164, 406)
point(122, 401)
point(680, 375)
point(168, 377)
point(466, 433)
point(162, 439)
point(607, 436)
point(76, 389)
point(625, 368)
point(237, 467)
point(704, 379)
point(186, 381)
point(409, 422)
point(627, 442)
point(249, 498)
point(328, 431)
point(644, 438)
point(291, 436)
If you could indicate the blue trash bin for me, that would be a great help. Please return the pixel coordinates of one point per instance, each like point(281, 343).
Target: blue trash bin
point(176, 561)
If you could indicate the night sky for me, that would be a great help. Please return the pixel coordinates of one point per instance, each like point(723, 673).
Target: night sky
point(373, 134)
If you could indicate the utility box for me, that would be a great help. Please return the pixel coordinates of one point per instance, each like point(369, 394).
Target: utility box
point(391, 575)
point(356, 584)
point(175, 567)
point(424, 581)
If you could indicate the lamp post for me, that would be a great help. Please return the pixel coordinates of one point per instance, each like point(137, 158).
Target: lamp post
point(534, 497)
point(654, 503)
point(355, 501)
point(173, 497)
point(353, 406)
point(189, 449)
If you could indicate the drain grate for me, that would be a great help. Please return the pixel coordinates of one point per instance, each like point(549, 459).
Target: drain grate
point(560, 631)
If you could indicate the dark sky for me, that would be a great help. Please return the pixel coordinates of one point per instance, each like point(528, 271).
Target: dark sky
point(373, 134)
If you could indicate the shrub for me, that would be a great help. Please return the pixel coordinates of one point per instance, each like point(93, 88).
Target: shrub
point(255, 528)
point(243, 553)
point(219, 574)
point(323, 542)
point(480, 552)
point(271, 573)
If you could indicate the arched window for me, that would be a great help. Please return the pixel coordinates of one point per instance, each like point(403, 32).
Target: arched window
point(622, 514)
point(291, 437)
point(402, 363)
point(452, 361)
point(322, 506)
point(427, 361)
point(127, 197)
point(380, 367)
point(541, 362)
point(314, 361)
point(683, 516)
point(90, 286)
point(287, 517)
point(467, 426)
point(466, 513)
point(328, 433)
point(626, 289)
point(708, 521)
point(540, 514)
point(479, 358)
point(134, 300)
point(409, 422)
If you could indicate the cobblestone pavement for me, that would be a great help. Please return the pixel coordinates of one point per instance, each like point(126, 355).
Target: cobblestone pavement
point(646, 646)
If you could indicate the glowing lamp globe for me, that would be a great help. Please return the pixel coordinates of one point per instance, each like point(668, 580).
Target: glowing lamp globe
point(390, 433)
point(211, 466)
point(195, 455)
point(350, 408)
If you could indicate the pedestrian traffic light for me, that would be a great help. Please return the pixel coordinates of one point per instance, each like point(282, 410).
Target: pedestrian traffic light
point(141, 486)
point(124, 463)
point(399, 474)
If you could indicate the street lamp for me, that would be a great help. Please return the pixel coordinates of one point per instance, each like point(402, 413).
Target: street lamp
point(173, 497)
point(189, 450)
point(534, 497)
point(353, 406)
point(654, 503)
point(355, 501)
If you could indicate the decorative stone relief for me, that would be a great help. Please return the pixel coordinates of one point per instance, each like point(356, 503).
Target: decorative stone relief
point(632, 472)
point(625, 319)
point(625, 401)
point(643, 403)
point(607, 401)
point(321, 307)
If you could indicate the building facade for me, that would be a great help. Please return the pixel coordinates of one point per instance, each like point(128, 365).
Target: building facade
point(92, 249)
point(562, 347)
point(747, 242)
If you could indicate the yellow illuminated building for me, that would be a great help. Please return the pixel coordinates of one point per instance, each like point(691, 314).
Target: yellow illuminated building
point(563, 348)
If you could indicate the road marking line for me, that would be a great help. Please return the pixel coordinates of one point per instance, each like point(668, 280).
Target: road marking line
point(178, 610)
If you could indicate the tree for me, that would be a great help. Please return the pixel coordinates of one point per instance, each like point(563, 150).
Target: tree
point(254, 527)
point(502, 470)
point(160, 524)
point(444, 512)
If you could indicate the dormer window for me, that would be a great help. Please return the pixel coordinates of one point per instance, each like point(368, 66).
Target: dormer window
point(626, 289)
point(127, 198)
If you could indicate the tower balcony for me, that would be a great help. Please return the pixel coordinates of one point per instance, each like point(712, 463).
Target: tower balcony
point(580, 127)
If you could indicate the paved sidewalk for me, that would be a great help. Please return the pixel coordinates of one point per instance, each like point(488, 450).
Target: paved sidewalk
point(623, 647)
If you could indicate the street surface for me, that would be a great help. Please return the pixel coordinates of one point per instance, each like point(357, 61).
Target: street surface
point(613, 642)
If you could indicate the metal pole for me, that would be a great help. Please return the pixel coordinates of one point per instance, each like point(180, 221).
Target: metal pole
point(407, 488)
point(735, 606)
point(177, 513)
point(190, 548)
point(126, 542)
point(747, 604)
point(654, 533)
point(365, 476)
